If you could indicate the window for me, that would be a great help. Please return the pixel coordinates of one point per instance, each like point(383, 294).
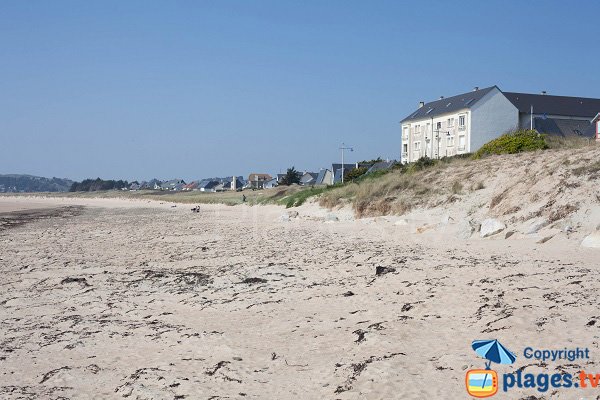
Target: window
point(462, 141)
point(461, 121)
point(417, 146)
point(450, 122)
point(417, 129)
point(405, 131)
point(450, 141)
point(404, 148)
point(439, 125)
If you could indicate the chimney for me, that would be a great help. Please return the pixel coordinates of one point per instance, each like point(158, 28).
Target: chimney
point(476, 88)
point(421, 104)
point(543, 92)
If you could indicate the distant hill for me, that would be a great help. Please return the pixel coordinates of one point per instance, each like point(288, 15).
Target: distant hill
point(14, 183)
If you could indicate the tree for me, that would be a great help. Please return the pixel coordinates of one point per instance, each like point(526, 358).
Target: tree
point(292, 176)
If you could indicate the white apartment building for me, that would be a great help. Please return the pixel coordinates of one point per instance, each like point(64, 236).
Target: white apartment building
point(463, 123)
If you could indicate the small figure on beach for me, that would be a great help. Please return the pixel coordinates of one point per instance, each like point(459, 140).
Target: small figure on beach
point(243, 198)
point(196, 209)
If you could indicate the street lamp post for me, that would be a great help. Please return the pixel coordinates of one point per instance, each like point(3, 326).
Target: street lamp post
point(342, 148)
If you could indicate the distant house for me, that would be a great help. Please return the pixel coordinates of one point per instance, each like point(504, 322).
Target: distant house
point(325, 177)
point(380, 166)
point(280, 177)
point(208, 185)
point(308, 178)
point(270, 184)
point(595, 128)
point(257, 181)
point(173, 184)
point(191, 186)
point(134, 186)
point(463, 123)
point(151, 184)
point(238, 185)
point(337, 171)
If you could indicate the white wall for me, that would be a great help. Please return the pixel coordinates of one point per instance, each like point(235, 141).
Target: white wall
point(491, 117)
point(448, 134)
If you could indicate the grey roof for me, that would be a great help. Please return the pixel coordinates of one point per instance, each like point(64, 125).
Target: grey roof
point(378, 166)
point(338, 176)
point(590, 131)
point(173, 182)
point(347, 167)
point(554, 105)
point(562, 127)
point(239, 183)
point(321, 176)
point(448, 104)
point(207, 184)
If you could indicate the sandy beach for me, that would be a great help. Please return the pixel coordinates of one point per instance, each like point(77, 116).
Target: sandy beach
point(151, 301)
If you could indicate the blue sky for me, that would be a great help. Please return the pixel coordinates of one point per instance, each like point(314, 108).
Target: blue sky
point(191, 89)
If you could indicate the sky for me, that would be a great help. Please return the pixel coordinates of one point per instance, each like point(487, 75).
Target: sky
point(192, 89)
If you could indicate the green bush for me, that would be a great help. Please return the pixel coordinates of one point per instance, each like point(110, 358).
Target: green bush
point(420, 164)
point(355, 173)
point(514, 142)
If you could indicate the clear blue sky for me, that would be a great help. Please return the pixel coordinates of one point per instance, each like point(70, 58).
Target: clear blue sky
point(191, 89)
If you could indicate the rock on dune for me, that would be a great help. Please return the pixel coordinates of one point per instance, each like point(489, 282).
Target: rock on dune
point(464, 229)
point(331, 218)
point(490, 227)
point(284, 218)
point(591, 240)
point(536, 225)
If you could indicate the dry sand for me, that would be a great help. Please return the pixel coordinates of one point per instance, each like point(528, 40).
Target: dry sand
point(138, 300)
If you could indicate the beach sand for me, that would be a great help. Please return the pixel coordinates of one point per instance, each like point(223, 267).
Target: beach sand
point(142, 300)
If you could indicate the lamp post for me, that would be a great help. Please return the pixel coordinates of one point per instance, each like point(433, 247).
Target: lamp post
point(342, 148)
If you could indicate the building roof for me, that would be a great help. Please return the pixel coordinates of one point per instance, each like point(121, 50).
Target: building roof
point(347, 167)
point(562, 127)
point(448, 104)
point(554, 105)
point(321, 176)
point(191, 185)
point(312, 175)
point(381, 165)
point(208, 184)
point(239, 183)
point(337, 177)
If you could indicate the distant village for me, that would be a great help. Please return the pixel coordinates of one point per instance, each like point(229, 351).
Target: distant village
point(446, 127)
point(254, 181)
